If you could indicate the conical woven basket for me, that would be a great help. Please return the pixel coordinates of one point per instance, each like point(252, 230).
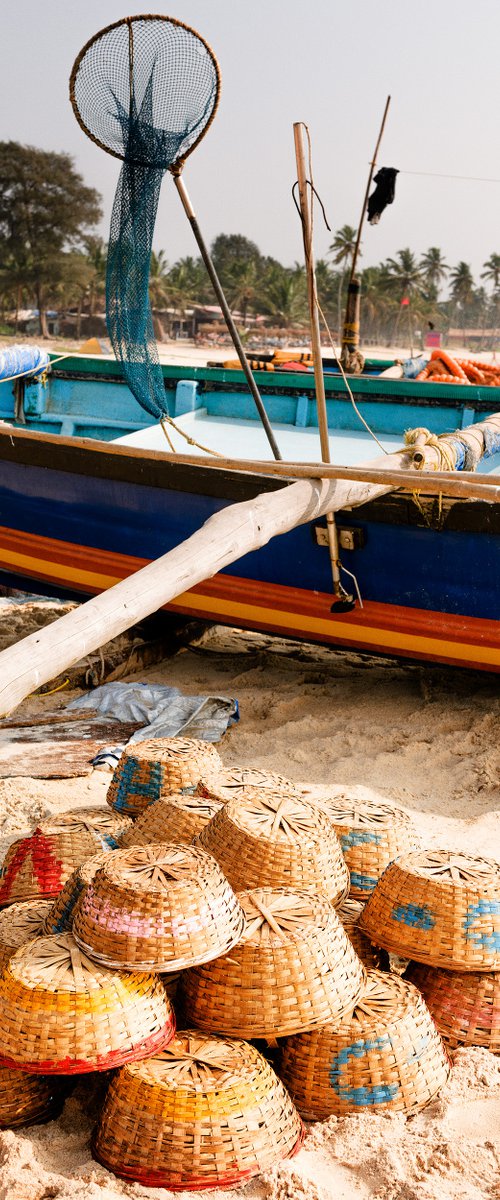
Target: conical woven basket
point(386, 1055)
point(27, 1099)
point(19, 923)
point(147, 771)
point(176, 818)
point(162, 908)
point(59, 918)
point(265, 839)
point(464, 1005)
point(438, 907)
point(204, 1113)
point(110, 825)
point(38, 866)
point(371, 833)
point(232, 782)
point(293, 969)
point(62, 1014)
point(372, 957)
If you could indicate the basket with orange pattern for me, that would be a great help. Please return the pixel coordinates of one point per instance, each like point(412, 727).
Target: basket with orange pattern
point(27, 1099)
point(205, 1113)
point(371, 833)
point(387, 1055)
point(147, 771)
point(266, 839)
point(176, 818)
point(62, 1014)
point(294, 968)
point(464, 1005)
point(438, 907)
point(19, 923)
point(232, 782)
point(161, 908)
point(349, 912)
point(59, 917)
point(37, 866)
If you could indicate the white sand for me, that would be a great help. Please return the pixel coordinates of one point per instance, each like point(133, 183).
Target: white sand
point(425, 737)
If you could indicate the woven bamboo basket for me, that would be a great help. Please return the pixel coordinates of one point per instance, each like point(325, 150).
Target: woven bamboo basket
point(147, 771)
point(371, 833)
point(62, 1014)
point(59, 917)
point(19, 923)
point(372, 957)
point(440, 908)
point(232, 782)
point(386, 1055)
point(265, 839)
point(38, 866)
point(161, 908)
point(293, 969)
point(109, 824)
point(205, 1113)
point(176, 818)
point(27, 1099)
point(464, 1005)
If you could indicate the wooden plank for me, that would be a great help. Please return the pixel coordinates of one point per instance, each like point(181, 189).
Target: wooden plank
point(48, 760)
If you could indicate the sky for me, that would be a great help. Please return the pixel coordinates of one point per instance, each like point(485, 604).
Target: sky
point(327, 63)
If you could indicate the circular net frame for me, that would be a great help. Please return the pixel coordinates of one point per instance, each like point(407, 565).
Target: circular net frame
point(144, 89)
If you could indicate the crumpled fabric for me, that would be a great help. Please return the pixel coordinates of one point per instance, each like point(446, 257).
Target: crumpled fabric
point(166, 712)
point(385, 190)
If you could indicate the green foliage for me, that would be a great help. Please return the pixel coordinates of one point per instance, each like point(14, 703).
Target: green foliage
point(45, 212)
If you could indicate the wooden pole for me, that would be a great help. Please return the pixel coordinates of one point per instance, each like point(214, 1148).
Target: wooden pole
point(350, 334)
point(368, 186)
point(224, 538)
point(319, 379)
point(217, 286)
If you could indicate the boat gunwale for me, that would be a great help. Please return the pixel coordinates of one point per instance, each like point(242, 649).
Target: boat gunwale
point(93, 458)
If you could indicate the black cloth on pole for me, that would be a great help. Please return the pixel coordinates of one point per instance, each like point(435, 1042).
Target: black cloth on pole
point(385, 181)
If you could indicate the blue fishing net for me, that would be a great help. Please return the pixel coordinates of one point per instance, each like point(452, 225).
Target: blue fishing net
point(145, 89)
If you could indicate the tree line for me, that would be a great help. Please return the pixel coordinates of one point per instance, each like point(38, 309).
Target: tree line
point(51, 256)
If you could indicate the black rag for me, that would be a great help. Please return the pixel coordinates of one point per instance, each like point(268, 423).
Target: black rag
point(385, 181)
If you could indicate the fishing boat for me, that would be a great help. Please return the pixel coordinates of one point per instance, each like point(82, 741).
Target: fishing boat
point(79, 513)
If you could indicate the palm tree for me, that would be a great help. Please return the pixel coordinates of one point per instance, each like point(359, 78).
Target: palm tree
point(342, 250)
point(434, 270)
point(462, 289)
point(158, 271)
point(404, 275)
point(284, 295)
point(492, 274)
point(96, 252)
point(241, 286)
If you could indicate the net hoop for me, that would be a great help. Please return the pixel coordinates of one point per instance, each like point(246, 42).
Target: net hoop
point(176, 166)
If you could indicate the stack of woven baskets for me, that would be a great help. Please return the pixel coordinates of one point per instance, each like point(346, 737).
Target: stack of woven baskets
point(237, 885)
point(81, 988)
point(442, 910)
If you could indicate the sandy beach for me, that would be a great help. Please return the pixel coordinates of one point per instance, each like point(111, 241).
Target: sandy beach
point(422, 736)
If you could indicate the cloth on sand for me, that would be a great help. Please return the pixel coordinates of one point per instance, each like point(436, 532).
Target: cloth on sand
point(166, 712)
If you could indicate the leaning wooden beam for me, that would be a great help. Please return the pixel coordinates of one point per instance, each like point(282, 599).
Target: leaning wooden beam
point(225, 537)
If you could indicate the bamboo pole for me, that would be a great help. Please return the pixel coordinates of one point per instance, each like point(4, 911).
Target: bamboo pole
point(306, 214)
point(349, 339)
point(224, 538)
point(463, 486)
point(217, 286)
